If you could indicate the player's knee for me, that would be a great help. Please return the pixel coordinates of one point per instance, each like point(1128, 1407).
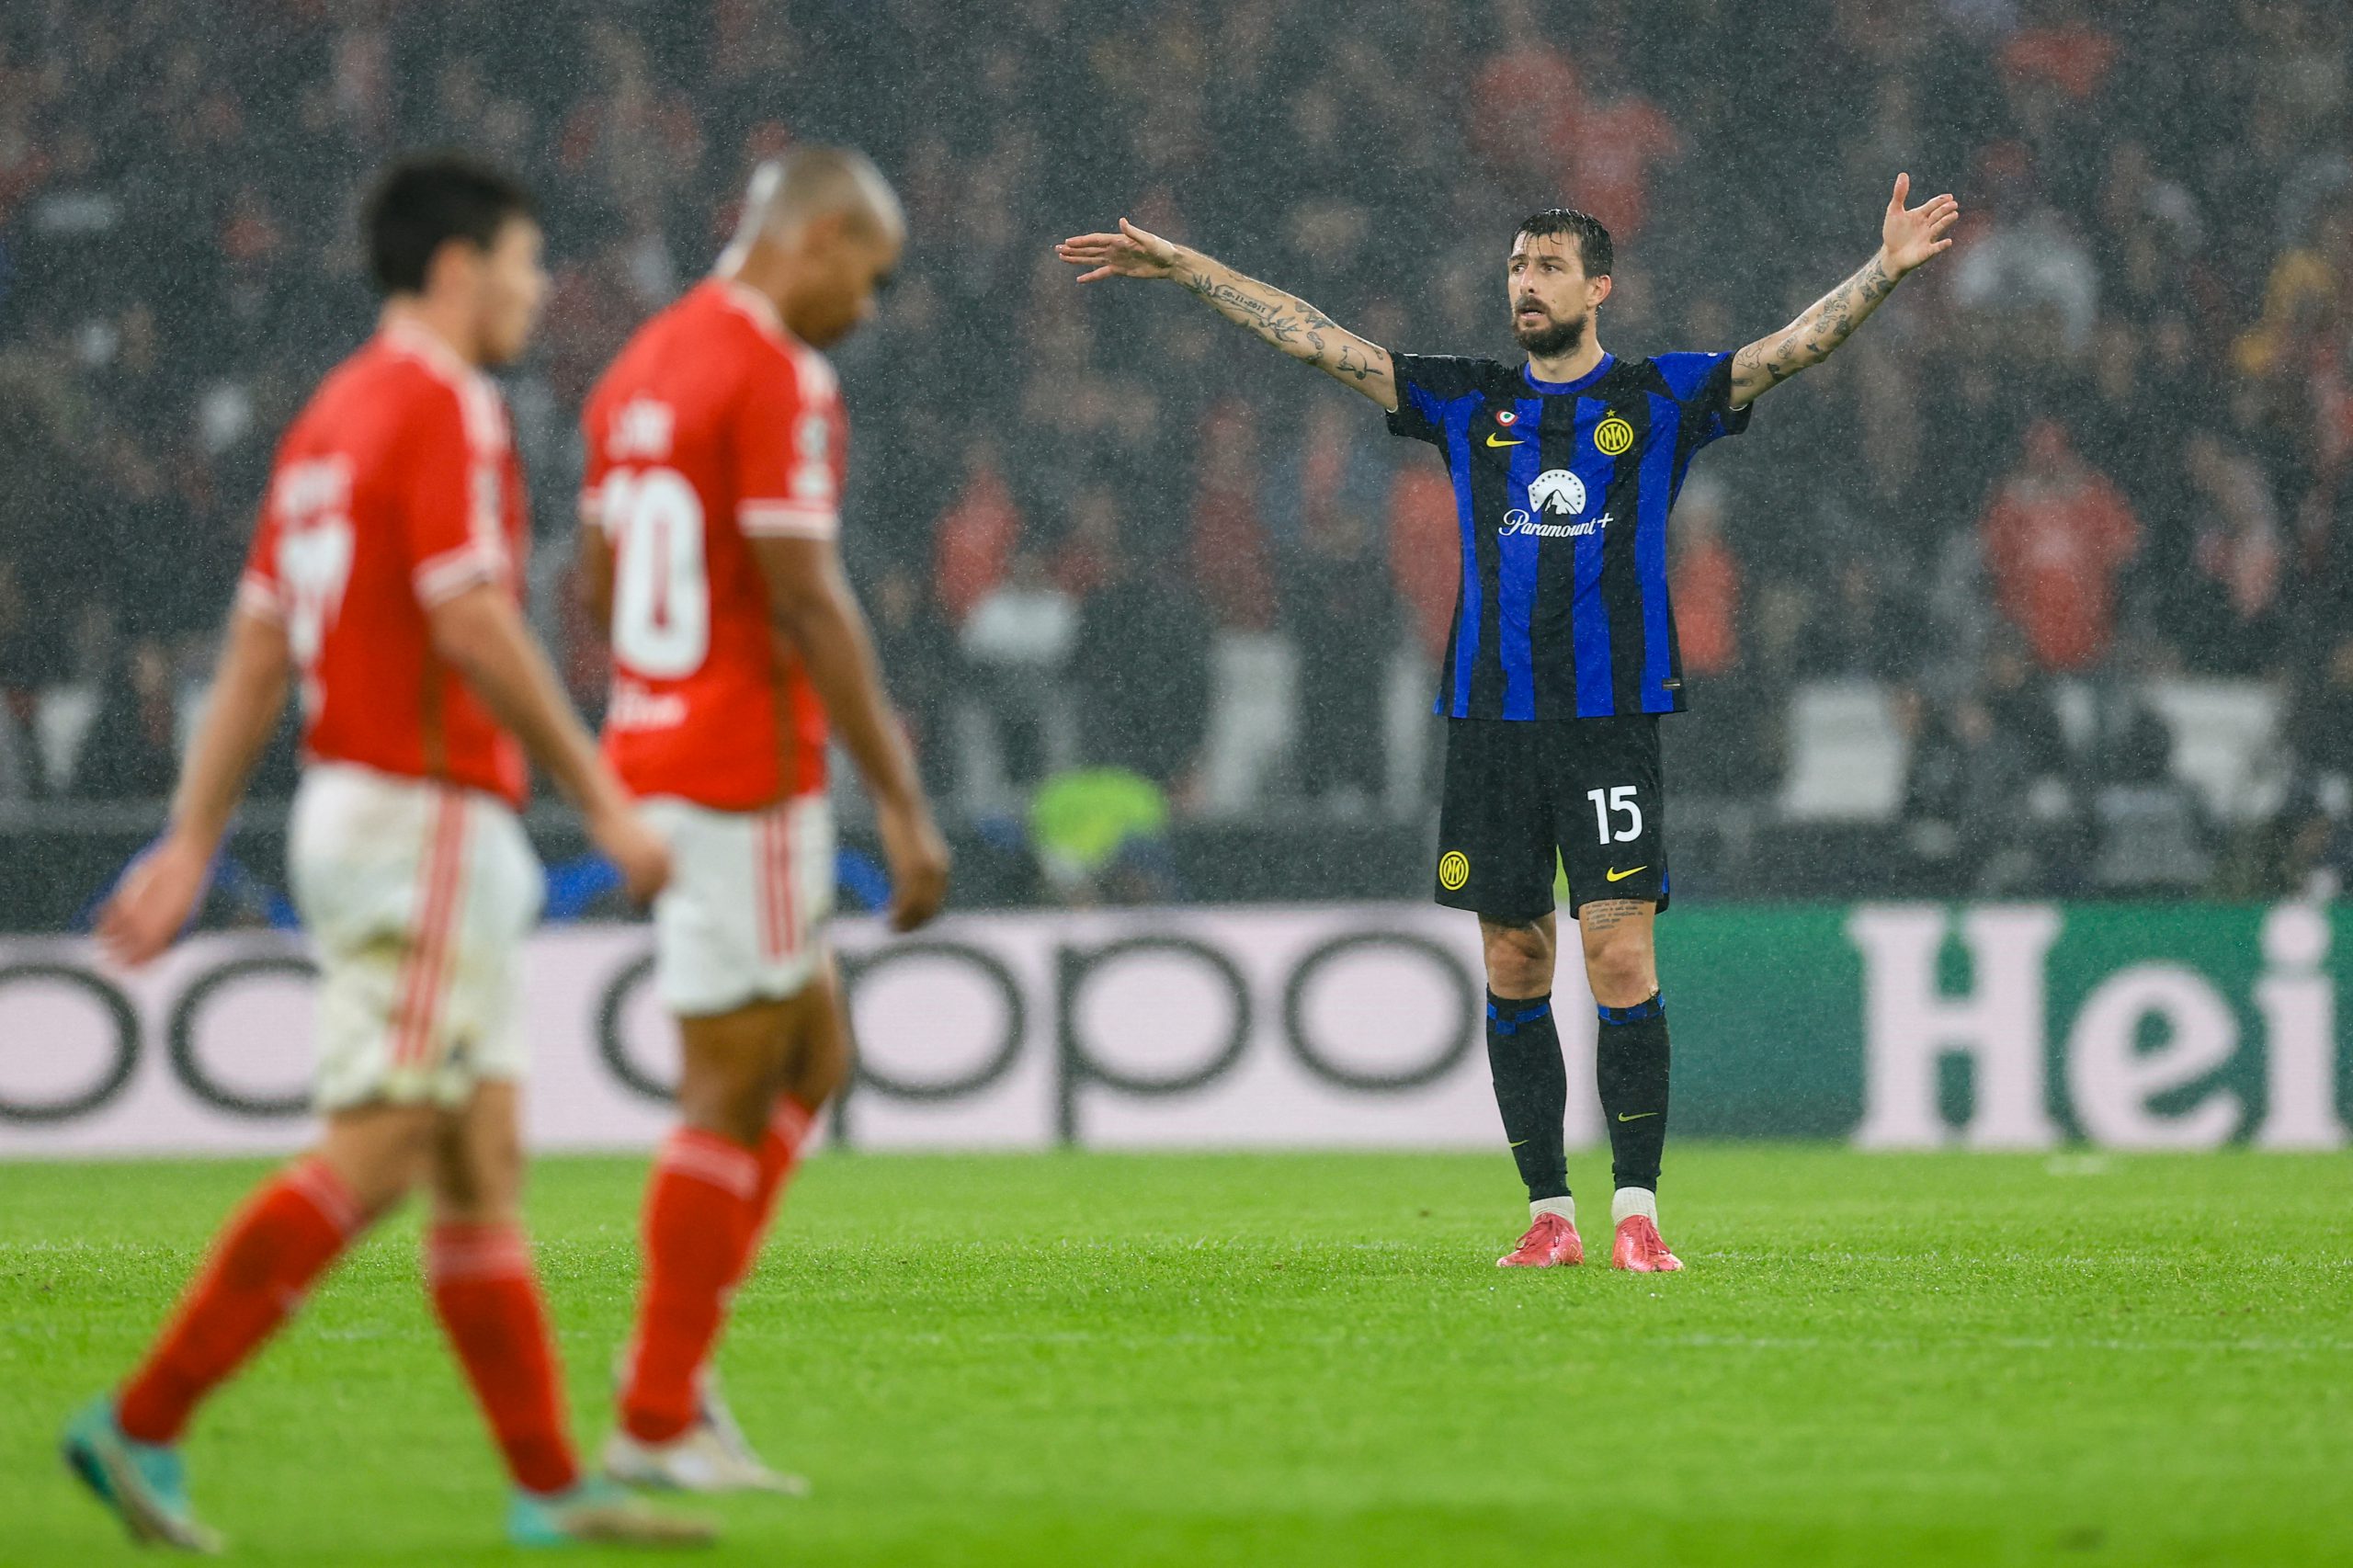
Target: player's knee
point(380, 1156)
point(726, 1093)
point(1519, 961)
point(736, 1110)
point(481, 1188)
point(1621, 970)
point(821, 1071)
point(818, 1064)
point(478, 1170)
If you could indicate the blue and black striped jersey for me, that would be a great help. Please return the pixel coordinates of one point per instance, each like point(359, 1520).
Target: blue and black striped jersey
point(1562, 489)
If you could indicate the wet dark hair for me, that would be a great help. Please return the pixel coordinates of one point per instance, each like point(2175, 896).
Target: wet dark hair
point(423, 202)
point(1595, 251)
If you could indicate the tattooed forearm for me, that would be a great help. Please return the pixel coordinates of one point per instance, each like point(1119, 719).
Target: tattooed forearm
point(1291, 325)
point(1274, 316)
point(1359, 366)
point(1842, 309)
point(1257, 303)
point(1811, 339)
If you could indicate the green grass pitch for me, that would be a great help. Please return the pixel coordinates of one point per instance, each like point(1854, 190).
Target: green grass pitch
point(1089, 1359)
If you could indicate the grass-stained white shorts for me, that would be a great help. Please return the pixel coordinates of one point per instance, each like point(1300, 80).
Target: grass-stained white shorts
point(417, 897)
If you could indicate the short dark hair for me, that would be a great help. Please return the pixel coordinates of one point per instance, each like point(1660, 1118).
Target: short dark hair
point(423, 202)
point(1595, 251)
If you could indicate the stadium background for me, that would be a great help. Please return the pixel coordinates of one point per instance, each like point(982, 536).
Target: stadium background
point(2004, 848)
point(2041, 591)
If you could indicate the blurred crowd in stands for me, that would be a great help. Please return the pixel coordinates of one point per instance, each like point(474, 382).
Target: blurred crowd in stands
point(2104, 442)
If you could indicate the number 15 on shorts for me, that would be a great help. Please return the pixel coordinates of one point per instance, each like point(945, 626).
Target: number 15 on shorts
point(1610, 806)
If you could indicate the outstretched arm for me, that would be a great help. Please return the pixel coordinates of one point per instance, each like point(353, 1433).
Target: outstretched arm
point(1291, 325)
point(1907, 239)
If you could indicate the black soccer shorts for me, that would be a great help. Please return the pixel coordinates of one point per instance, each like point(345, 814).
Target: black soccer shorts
point(1518, 791)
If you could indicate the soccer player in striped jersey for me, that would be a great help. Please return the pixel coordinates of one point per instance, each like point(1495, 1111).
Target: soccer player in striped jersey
point(1566, 466)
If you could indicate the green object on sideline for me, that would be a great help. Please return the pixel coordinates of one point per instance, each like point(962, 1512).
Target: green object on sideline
point(1081, 820)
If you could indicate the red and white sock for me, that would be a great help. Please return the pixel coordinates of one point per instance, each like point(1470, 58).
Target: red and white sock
point(780, 1156)
point(699, 1215)
point(488, 1300)
point(263, 1263)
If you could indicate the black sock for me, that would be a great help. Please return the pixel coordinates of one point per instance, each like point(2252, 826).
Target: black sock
point(1532, 1089)
point(1630, 1058)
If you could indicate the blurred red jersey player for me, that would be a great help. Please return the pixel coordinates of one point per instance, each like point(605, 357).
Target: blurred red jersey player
point(385, 573)
point(714, 429)
point(716, 454)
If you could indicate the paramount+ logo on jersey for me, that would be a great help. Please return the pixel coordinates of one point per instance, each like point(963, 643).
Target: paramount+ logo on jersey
point(1555, 492)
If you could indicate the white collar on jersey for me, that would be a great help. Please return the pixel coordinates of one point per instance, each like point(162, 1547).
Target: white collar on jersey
point(756, 305)
point(430, 346)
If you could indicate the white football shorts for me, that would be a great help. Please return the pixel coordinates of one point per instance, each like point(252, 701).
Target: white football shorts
point(743, 919)
point(417, 897)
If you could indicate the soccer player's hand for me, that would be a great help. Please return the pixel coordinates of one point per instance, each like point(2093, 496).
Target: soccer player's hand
point(1130, 253)
point(633, 848)
point(1911, 236)
point(151, 905)
point(917, 857)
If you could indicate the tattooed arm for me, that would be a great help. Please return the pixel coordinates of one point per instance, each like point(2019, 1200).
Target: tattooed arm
point(1907, 239)
point(1291, 325)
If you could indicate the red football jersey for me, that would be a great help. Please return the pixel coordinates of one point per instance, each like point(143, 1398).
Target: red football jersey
point(396, 489)
point(714, 427)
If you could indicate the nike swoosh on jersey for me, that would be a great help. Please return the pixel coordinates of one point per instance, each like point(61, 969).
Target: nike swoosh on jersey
point(1494, 440)
point(1615, 875)
point(1636, 1117)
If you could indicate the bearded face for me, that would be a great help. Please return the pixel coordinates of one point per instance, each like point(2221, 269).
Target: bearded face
point(1551, 298)
point(1544, 334)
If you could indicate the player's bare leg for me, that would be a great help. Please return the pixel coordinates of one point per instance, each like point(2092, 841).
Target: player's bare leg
point(816, 1068)
point(814, 1064)
point(125, 1446)
point(1531, 1085)
point(1631, 1062)
point(715, 1189)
